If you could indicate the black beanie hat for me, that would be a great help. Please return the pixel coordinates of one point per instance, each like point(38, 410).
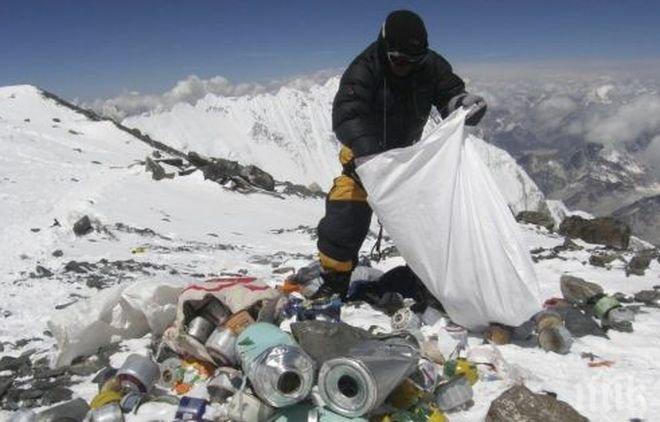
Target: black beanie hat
point(404, 31)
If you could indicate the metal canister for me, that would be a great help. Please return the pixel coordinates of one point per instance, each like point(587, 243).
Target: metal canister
point(356, 385)
point(225, 383)
point(221, 345)
point(555, 339)
point(239, 322)
point(281, 373)
point(138, 373)
point(216, 312)
point(244, 407)
point(200, 328)
point(108, 413)
point(190, 409)
point(604, 305)
point(454, 393)
point(548, 319)
point(405, 320)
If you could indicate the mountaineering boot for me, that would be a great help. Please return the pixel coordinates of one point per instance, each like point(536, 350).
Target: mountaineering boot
point(334, 283)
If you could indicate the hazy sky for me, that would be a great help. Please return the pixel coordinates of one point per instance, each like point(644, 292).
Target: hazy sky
point(90, 49)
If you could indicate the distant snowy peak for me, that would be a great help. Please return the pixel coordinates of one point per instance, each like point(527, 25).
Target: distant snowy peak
point(289, 134)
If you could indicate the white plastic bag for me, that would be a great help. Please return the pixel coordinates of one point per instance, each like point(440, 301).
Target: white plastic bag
point(439, 203)
point(112, 315)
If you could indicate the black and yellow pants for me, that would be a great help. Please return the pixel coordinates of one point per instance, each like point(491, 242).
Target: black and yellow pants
point(347, 219)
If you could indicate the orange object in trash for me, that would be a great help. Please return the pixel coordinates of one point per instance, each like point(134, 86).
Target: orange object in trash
point(182, 388)
point(239, 322)
point(288, 287)
point(599, 364)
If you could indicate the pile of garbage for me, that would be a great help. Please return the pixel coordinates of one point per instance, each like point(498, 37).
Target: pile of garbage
point(239, 350)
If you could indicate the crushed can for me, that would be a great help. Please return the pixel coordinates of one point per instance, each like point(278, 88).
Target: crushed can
point(108, 413)
point(405, 320)
point(200, 328)
point(239, 322)
point(221, 345)
point(426, 376)
point(171, 372)
point(245, 407)
point(454, 393)
point(138, 373)
point(190, 409)
point(225, 383)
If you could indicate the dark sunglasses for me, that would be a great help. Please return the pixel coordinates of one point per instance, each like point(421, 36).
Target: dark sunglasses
point(402, 59)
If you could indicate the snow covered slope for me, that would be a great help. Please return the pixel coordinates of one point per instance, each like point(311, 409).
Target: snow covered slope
point(187, 229)
point(289, 134)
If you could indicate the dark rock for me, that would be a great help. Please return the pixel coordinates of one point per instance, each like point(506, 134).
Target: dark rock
point(156, 154)
point(602, 259)
point(603, 230)
point(639, 263)
point(568, 245)
point(42, 272)
point(96, 162)
point(5, 383)
point(577, 290)
point(535, 217)
point(56, 120)
point(257, 177)
point(82, 226)
point(197, 159)
point(283, 270)
point(78, 267)
point(55, 223)
point(649, 297)
point(157, 171)
point(288, 188)
point(519, 404)
point(622, 298)
point(35, 230)
point(176, 162)
point(8, 363)
point(56, 395)
point(57, 253)
point(578, 323)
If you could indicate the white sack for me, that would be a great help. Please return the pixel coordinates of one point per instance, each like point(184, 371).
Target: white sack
point(439, 203)
point(111, 315)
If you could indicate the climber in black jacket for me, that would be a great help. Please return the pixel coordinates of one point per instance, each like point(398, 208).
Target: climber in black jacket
point(383, 102)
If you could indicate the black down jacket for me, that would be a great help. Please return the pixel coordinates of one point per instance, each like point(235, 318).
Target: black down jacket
point(374, 110)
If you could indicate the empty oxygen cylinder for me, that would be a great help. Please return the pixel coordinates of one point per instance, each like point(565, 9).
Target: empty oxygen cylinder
point(357, 384)
point(280, 372)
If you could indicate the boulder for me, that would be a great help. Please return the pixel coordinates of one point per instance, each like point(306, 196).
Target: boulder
point(257, 177)
point(577, 290)
point(602, 259)
point(535, 217)
point(157, 171)
point(640, 262)
point(603, 231)
point(519, 404)
point(83, 226)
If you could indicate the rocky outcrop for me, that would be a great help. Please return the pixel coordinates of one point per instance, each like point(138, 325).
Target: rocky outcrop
point(536, 217)
point(603, 230)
